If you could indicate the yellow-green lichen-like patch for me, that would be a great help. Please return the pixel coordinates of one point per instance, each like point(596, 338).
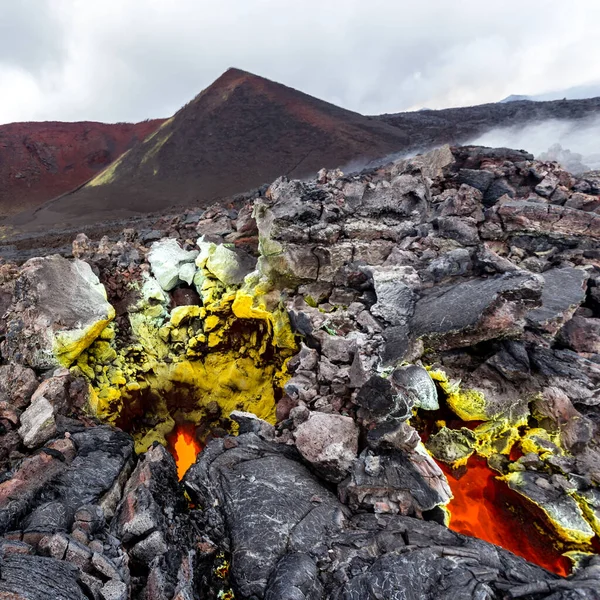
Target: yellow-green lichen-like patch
point(541, 442)
point(108, 175)
point(589, 502)
point(497, 436)
point(578, 557)
point(160, 142)
point(469, 405)
point(68, 345)
point(452, 446)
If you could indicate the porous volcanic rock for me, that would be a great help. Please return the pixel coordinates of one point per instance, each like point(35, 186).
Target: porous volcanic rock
point(402, 308)
point(59, 308)
point(296, 538)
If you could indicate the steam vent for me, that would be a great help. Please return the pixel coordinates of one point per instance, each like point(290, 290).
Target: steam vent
point(382, 385)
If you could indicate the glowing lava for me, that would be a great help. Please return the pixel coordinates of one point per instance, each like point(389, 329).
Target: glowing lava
point(486, 508)
point(184, 447)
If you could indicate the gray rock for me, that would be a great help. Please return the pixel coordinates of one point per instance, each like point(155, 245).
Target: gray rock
point(381, 402)
point(105, 567)
point(497, 189)
point(547, 186)
point(294, 578)
point(250, 423)
point(415, 382)
point(460, 314)
point(17, 383)
point(37, 423)
point(564, 290)
point(461, 229)
point(166, 258)
point(560, 509)
point(451, 264)
point(395, 289)
point(336, 348)
point(581, 334)
point(431, 164)
point(329, 442)
point(396, 344)
point(24, 577)
point(114, 590)
point(274, 505)
point(279, 523)
point(536, 217)
point(150, 547)
point(406, 196)
point(406, 482)
point(59, 308)
point(479, 179)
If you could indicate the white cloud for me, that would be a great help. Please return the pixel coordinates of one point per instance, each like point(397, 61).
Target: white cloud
point(132, 59)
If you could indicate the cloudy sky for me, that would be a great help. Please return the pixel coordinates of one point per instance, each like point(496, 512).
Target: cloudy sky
point(127, 60)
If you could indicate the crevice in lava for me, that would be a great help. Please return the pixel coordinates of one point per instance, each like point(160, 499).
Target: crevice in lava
point(483, 505)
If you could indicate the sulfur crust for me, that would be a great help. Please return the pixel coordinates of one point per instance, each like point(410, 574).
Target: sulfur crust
point(233, 350)
point(580, 533)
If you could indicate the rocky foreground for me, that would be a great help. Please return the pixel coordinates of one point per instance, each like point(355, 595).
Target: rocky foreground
point(350, 331)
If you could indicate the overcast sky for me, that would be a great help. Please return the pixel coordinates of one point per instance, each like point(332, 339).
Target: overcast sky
point(127, 60)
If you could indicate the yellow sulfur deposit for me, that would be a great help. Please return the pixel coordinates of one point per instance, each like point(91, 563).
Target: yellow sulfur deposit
point(68, 345)
point(562, 511)
point(230, 353)
point(497, 436)
point(541, 442)
point(469, 405)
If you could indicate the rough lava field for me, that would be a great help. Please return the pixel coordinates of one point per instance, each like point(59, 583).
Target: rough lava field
point(381, 384)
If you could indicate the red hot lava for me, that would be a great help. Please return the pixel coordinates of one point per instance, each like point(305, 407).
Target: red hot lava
point(486, 508)
point(184, 447)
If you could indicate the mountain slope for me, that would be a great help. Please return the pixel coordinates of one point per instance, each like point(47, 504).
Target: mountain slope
point(427, 128)
point(238, 134)
point(39, 161)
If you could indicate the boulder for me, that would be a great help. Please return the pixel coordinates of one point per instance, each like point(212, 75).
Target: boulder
point(329, 443)
point(560, 508)
point(336, 348)
point(289, 536)
point(24, 577)
point(228, 266)
point(167, 258)
point(581, 334)
point(17, 384)
point(521, 215)
point(452, 446)
point(564, 290)
point(395, 289)
point(38, 424)
point(58, 310)
point(395, 481)
point(269, 504)
point(474, 310)
point(380, 402)
point(415, 383)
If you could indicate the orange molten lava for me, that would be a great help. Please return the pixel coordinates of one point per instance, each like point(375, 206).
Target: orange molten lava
point(486, 508)
point(184, 447)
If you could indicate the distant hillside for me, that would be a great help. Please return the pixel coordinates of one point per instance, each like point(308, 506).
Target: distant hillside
point(427, 128)
point(590, 90)
point(39, 161)
point(239, 133)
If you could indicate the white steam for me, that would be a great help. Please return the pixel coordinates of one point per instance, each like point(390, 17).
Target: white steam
point(574, 144)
